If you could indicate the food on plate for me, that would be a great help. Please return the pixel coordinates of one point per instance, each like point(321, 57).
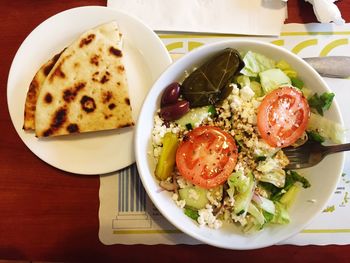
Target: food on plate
point(206, 156)
point(209, 82)
point(86, 89)
point(283, 116)
point(221, 156)
point(33, 92)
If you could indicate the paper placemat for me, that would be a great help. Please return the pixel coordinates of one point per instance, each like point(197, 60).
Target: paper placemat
point(127, 215)
point(253, 17)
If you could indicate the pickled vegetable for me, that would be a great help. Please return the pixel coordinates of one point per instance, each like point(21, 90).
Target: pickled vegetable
point(174, 111)
point(171, 94)
point(205, 85)
point(166, 161)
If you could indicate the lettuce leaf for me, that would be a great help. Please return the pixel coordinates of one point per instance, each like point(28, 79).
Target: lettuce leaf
point(321, 103)
point(256, 63)
point(272, 79)
point(326, 128)
point(291, 178)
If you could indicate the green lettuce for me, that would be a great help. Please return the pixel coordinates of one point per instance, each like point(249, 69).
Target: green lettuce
point(326, 128)
point(256, 63)
point(321, 103)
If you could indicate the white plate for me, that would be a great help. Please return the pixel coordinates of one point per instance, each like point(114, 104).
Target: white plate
point(145, 59)
point(323, 177)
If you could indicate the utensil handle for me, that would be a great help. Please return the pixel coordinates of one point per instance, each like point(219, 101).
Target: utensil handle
point(338, 148)
point(332, 66)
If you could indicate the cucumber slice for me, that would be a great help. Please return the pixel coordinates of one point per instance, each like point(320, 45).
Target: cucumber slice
point(195, 197)
point(272, 79)
point(195, 115)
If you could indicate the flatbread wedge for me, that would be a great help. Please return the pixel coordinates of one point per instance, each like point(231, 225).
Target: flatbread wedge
point(87, 88)
point(33, 92)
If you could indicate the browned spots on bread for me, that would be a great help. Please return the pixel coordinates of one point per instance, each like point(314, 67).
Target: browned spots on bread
point(51, 64)
point(59, 118)
point(87, 104)
point(73, 128)
point(95, 75)
point(108, 116)
point(127, 101)
point(116, 52)
point(48, 98)
point(57, 73)
point(121, 69)
point(126, 125)
point(57, 122)
point(107, 96)
point(48, 132)
point(95, 60)
point(87, 40)
point(30, 103)
point(70, 94)
point(33, 88)
point(111, 106)
point(105, 77)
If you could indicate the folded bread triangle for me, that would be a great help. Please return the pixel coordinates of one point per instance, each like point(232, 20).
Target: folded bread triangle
point(86, 89)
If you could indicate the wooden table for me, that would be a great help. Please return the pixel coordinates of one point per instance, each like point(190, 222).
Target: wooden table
point(50, 215)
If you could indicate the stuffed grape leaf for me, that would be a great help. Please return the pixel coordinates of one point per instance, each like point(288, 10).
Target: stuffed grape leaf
point(209, 83)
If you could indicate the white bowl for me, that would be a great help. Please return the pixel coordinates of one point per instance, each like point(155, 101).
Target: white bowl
point(309, 203)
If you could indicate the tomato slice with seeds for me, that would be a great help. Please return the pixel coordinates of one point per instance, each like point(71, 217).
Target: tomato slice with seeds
point(207, 156)
point(283, 116)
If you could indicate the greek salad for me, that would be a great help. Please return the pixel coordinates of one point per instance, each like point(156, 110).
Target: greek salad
point(219, 134)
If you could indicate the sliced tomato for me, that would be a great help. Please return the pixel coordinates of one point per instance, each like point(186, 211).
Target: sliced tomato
point(207, 156)
point(283, 116)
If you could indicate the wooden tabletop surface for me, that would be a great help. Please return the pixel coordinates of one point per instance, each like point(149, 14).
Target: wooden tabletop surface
point(50, 215)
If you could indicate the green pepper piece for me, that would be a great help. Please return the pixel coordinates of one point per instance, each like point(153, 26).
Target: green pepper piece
point(166, 161)
point(298, 83)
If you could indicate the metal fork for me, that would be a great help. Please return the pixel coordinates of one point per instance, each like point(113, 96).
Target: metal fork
point(311, 153)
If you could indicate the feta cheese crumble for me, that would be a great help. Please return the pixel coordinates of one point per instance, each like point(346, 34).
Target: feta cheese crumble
point(206, 217)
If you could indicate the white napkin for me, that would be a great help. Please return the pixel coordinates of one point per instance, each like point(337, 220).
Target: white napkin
point(253, 17)
point(326, 11)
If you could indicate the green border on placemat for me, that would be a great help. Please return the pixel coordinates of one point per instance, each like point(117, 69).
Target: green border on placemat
point(325, 231)
point(326, 33)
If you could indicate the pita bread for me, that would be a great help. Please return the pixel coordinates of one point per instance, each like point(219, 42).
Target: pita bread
point(87, 89)
point(33, 92)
